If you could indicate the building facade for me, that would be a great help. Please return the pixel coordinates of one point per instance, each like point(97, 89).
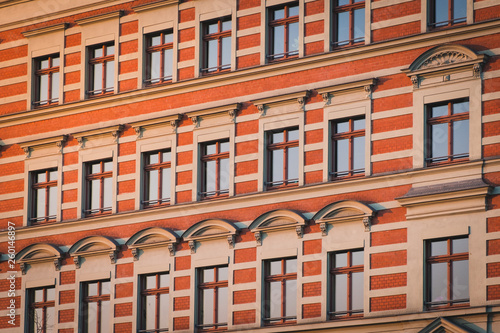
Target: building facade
point(258, 165)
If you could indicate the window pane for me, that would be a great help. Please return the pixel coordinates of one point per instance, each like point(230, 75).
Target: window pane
point(38, 320)
point(357, 291)
point(52, 201)
point(358, 160)
point(340, 260)
point(340, 293)
point(165, 183)
point(279, 14)
point(277, 165)
point(150, 312)
point(342, 2)
point(277, 137)
point(226, 52)
point(155, 65)
point(94, 194)
point(342, 28)
point(110, 74)
point(44, 87)
point(153, 185)
point(293, 37)
point(441, 11)
point(164, 280)
point(210, 149)
point(105, 314)
point(291, 266)
point(226, 25)
point(291, 298)
point(95, 167)
point(166, 156)
point(153, 158)
point(460, 245)
point(293, 135)
point(459, 10)
point(439, 281)
point(168, 62)
point(439, 140)
point(169, 38)
point(213, 28)
point(460, 279)
point(342, 127)
point(359, 24)
point(155, 40)
point(40, 202)
point(108, 166)
point(212, 53)
point(164, 306)
point(222, 273)
point(222, 305)
point(460, 107)
point(439, 110)
point(274, 299)
point(107, 192)
point(39, 295)
point(51, 294)
point(341, 156)
point(44, 64)
point(278, 39)
point(293, 11)
point(50, 320)
point(151, 282)
point(358, 124)
point(41, 177)
point(461, 137)
point(92, 318)
point(92, 289)
point(293, 163)
point(110, 49)
point(210, 176)
point(97, 84)
point(439, 248)
point(275, 267)
point(224, 174)
point(208, 304)
point(55, 86)
point(357, 258)
point(53, 175)
point(55, 61)
point(208, 275)
point(98, 52)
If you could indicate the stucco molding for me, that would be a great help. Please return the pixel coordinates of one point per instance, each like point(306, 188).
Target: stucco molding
point(153, 237)
point(29, 146)
point(93, 246)
point(101, 17)
point(230, 110)
point(39, 253)
point(344, 211)
point(443, 324)
point(363, 85)
point(210, 229)
point(277, 220)
point(114, 131)
point(298, 97)
point(154, 5)
point(45, 30)
point(167, 121)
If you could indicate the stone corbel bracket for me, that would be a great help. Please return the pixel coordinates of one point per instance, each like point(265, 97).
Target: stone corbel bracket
point(143, 126)
point(229, 110)
point(347, 88)
point(114, 131)
point(298, 98)
point(30, 146)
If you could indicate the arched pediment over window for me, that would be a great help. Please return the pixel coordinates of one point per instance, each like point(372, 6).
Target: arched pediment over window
point(152, 237)
point(344, 211)
point(39, 253)
point(93, 245)
point(208, 230)
point(276, 220)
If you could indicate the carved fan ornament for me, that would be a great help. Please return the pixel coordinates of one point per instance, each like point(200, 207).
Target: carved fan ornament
point(445, 58)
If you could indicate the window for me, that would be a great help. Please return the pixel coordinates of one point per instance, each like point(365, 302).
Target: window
point(284, 31)
point(96, 309)
point(213, 298)
point(217, 46)
point(159, 57)
point(41, 312)
point(347, 284)
point(447, 273)
point(215, 169)
point(349, 22)
point(157, 176)
point(99, 187)
point(280, 291)
point(102, 69)
point(43, 196)
point(46, 81)
point(155, 301)
point(448, 132)
point(348, 143)
point(283, 157)
point(446, 13)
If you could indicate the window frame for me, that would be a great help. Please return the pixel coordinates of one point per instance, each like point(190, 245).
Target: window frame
point(286, 21)
point(32, 305)
point(219, 36)
point(217, 157)
point(449, 119)
point(88, 212)
point(158, 48)
point(285, 145)
point(450, 22)
point(449, 258)
point(350, 135)
point(283, 277)
point(105, 59)
point(50, 70)
point(349, 269)
point(216, 284)
point(34, 186)
point(149, 292)
point(160, 166)
point(351, 7)
point(99, 298)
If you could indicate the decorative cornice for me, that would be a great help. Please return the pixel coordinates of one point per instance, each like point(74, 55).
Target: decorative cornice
point(45, 30)
point(8, 3)
point(297, 97)
point(101, 17)
point(114, 131)
point(229, 109)
point(29, 146)
point(154, 5)
point(345, 88)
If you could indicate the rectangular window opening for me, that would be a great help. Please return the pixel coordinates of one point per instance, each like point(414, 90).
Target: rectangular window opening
point(447, 13)
point(96, 310)
point(159, 59)
point(99, 187)
point(157, 178)
point(212, 299)
point(348, 148)
point(283, 31)
point(154, 302)
point(41, 316)
point(46, 81)
point(101, 70)
point(214, 169)
point(216, 46)
point(44, 193)
point(348, 23)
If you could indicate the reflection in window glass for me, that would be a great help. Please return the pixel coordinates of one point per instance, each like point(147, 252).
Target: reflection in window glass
point(217, 46)
point(47, 81)
point(155, 299)
point(96, 307)
point(213, 298)
point(283, 158)
point(99, 187)
point(284, 31)
point(348, 143)
point(280, 304)
point(41, 315)
point(159, 57)
point(102, 70)
point(349, 26)
point(44, 193)
point(157, 178)
point(215, 169)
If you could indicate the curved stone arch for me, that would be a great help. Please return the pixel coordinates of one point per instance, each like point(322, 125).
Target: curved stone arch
point(93, 245)
point(344, 211)
point(38, 253)
point(210, 229)
point(275, 220)
point(443, 55)
point(152, 237)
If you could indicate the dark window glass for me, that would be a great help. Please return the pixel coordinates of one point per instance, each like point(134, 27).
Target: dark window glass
point(157, 176)
point(447, 273)
point(155, 300)
point(283, 157)
point(448, 132)
point(347, 284)
point(99, 178)
point(159, 49)
point(446, 13)
point(46, 81)
point(41, 310)
point(102, 69)
point(348, 144)
point(43, 196)
point(212, 298)
point(280, 303)
point(217, 46)
point(96, 311)
point(284, 31)
point(349, 22)
point(215, 169)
